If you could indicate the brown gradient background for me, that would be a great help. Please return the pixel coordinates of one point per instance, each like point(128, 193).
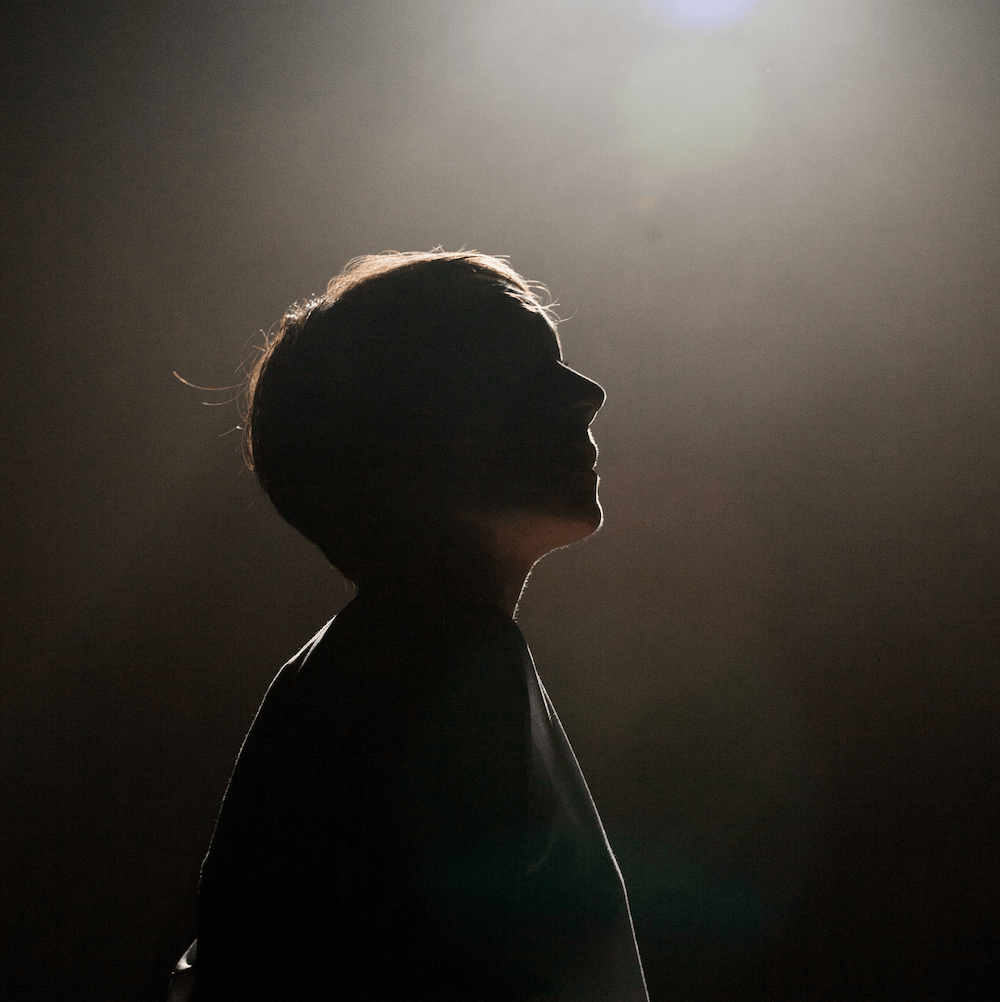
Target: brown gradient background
point(777, 661)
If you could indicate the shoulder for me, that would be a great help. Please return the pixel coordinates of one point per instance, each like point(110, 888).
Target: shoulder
point(411, 646)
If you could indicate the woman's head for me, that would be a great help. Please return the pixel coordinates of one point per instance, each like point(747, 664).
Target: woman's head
point(417, 388)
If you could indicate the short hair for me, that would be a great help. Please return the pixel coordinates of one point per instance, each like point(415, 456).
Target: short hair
point(353, 408)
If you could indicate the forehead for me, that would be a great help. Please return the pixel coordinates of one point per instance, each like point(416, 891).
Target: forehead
point(506, 351)
point(527, 329)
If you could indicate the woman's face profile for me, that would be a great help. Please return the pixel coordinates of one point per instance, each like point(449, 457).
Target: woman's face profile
point(530, 414)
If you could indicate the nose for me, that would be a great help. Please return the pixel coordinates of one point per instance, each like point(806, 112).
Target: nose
point(587, 396)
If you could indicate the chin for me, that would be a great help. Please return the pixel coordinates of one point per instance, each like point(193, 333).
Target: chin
point(593, 522)
point(573, 523)
point(553, 520)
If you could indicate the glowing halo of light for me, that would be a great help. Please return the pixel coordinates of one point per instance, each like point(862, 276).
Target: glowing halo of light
point(701, 15)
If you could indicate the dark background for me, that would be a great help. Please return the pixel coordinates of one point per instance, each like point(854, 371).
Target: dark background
point(777, 243)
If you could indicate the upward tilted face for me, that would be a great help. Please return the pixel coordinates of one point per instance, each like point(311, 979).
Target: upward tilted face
point(421, 397)
point(527, 415)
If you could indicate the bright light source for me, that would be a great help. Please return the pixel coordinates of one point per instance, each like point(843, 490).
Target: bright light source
point(701, 15)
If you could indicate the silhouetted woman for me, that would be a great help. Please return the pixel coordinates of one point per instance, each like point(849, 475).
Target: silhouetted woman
point(406, 819)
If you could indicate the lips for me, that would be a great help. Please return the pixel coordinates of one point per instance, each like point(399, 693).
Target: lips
point(585, 451)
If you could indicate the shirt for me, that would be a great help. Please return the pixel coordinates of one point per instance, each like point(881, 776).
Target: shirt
point(407, 820)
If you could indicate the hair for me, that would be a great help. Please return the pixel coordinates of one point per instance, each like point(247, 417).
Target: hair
point(355, 409)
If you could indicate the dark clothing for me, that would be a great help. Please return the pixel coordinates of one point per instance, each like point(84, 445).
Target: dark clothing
point(406, 820)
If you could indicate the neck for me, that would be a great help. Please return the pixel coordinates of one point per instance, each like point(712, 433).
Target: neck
point(477, 556)
point(468, 566)
point(423, 586)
